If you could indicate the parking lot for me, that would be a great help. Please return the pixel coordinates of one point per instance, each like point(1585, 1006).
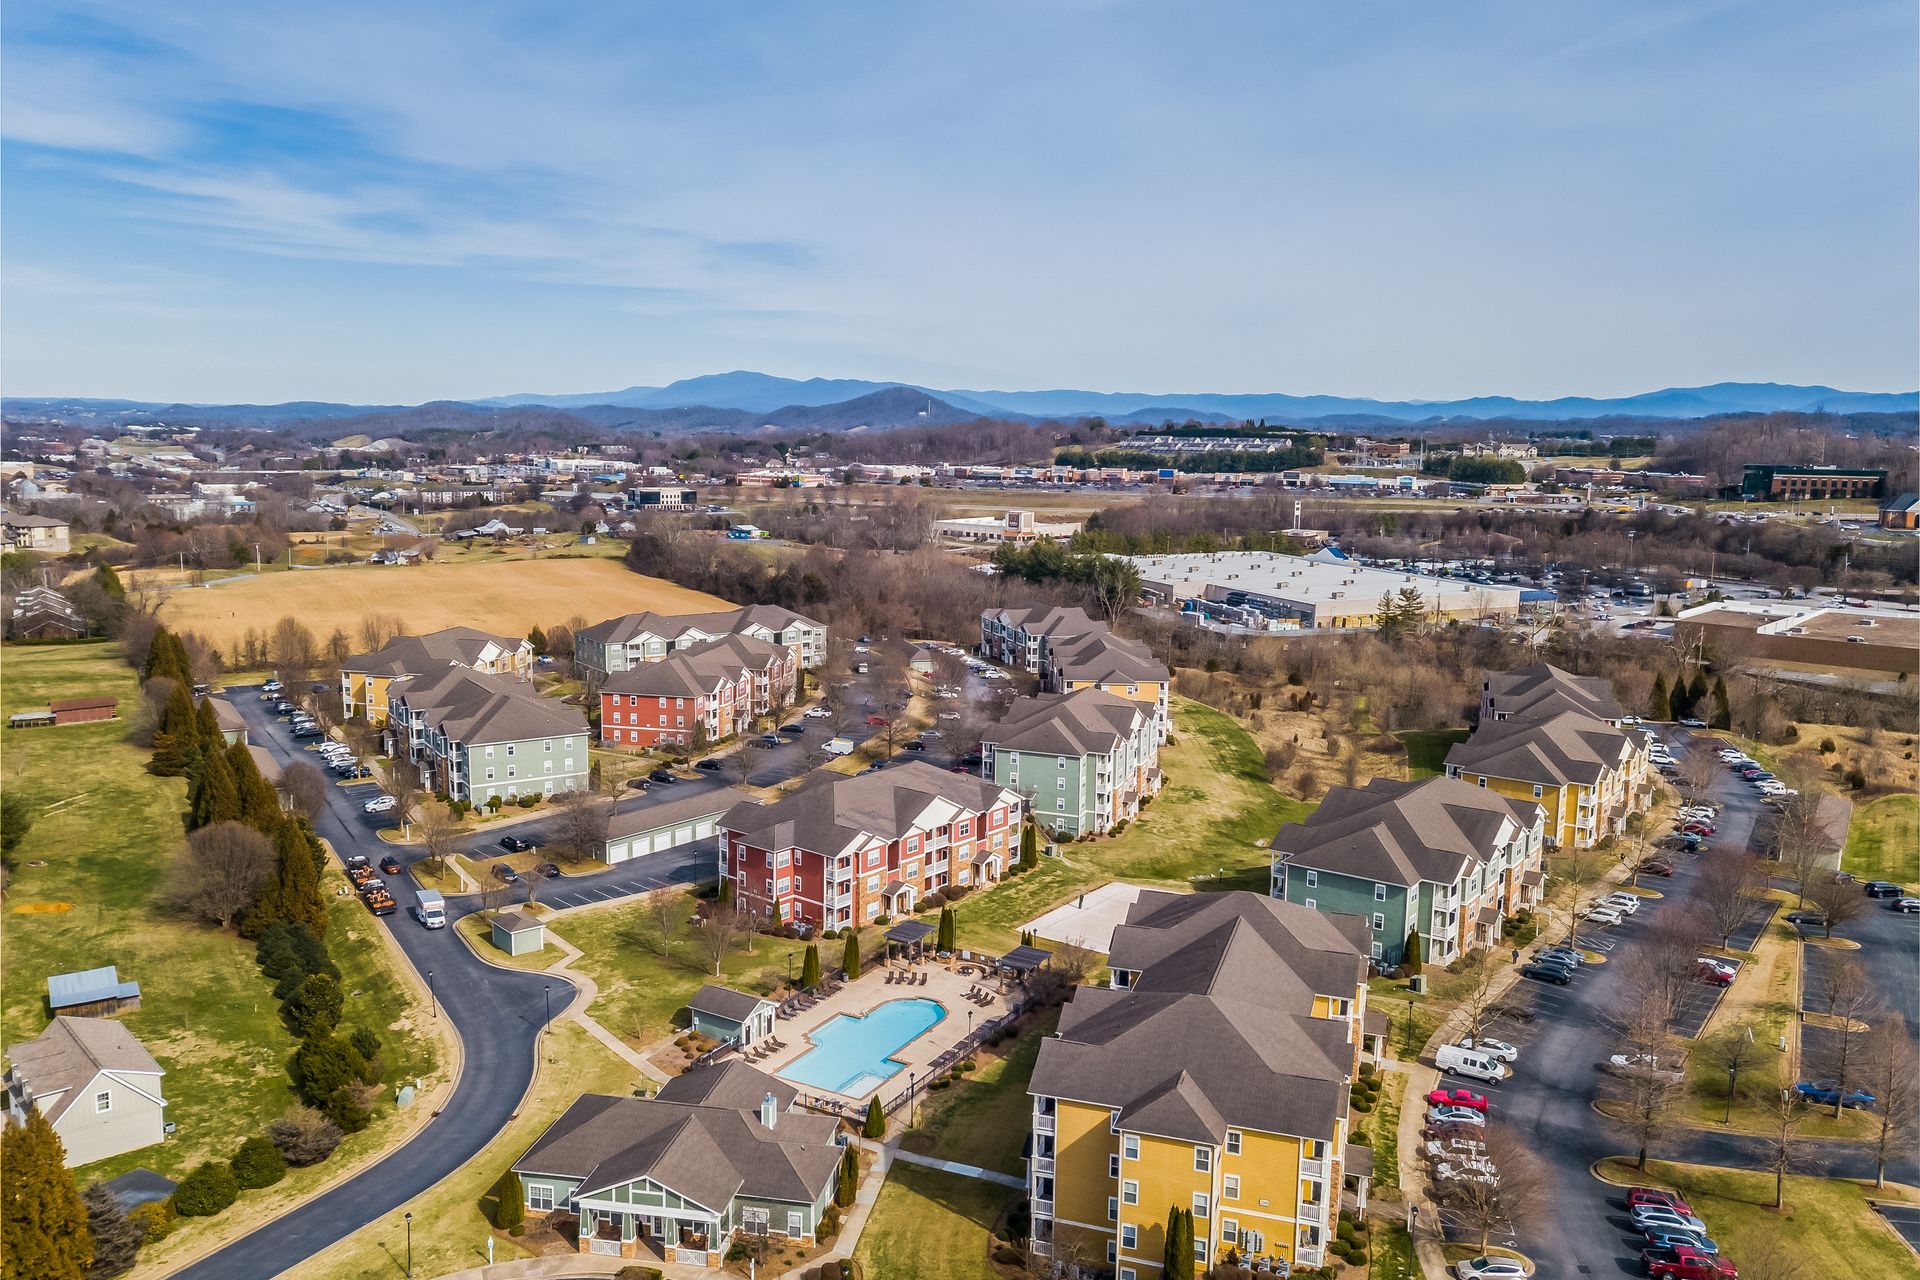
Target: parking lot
point(1903, 1218)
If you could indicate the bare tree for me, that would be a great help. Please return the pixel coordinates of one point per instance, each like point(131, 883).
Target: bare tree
point(1662, 968)
point(377, 630)
point(1849, 996)
point(580, 831)
point(292, 649)
point(1891, 1073)
point(1797, 842)
point(1732, 1050)
point(1512, 1199)
point(1648, 1084)
point(221, 872)
point(1780, 1145)
point(740, 764)
point(663, 909)
point(1725, 892)
point(304, 788)
point(1476, 994)
point(1838, 900)
point(716, 933)
point(1571, 878)
point(403, 784)
point(494, 896)
point(1696, 775)
point(441, 835)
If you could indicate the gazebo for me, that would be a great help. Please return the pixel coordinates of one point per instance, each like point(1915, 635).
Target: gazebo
point(1023, 960)
point(910, 934)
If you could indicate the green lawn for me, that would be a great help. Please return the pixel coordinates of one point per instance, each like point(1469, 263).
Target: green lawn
point(1383, 1127)
point(1827, 1223)
point(931, 1226)
point(1427, 750)
point(105, 832)
point(984, 1121)
point(1884, 842)
point(1199, 833)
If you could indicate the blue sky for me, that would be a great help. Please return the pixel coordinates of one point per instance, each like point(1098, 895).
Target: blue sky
point(392, 202)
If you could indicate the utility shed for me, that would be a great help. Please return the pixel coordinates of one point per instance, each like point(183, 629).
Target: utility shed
point(518, 934)
point(91, 993)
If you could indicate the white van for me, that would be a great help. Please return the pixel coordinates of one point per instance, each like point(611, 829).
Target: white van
point(839, 747)
point(1466, 1062)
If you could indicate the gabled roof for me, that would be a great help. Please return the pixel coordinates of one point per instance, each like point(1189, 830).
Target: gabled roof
point(725, 1002)
point(1542, 689)
point(731, 1083)
point(645, 816)
point(1053, 621)
point(420, 655)
point(672, 626)
point(1105, 658)
point(63, 1059)
point(830, 813)
point(64, 990)
point(1404, 832)
point(1084, 722)
point(700, 670)
point(1566, 747)
point(477, 706)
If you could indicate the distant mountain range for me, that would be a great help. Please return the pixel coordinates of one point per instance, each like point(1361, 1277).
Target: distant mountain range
point(746, 401)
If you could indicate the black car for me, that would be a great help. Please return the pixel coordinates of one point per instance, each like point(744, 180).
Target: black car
point(916, 746)
point(389, 866)
point(307, 731)
point(795, 727)
point(549, 870)
point(662, 775)
point(1543, 972)
point(514, 844)
point(639, 784)
point(1811, 919)
point(505, 874)
point(709, 764)
point(1882, 889)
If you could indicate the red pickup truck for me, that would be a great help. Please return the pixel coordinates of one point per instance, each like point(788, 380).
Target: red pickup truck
point(1682, 1262)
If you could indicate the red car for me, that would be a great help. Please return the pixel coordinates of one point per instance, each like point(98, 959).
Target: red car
point(1718, 977)
point(876, 720)
point(1654, 867)
point(1637, 1196)
point(1456, 1098)
point(1697, 829)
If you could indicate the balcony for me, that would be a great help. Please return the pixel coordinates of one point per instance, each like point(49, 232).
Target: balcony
point(1043, 1208)
point(1043, 1124)
point(1042, 1165)
point(1313, 1168)
point(1313, 1213)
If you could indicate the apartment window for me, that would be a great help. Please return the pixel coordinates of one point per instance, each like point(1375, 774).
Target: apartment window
point(1113, 1166)
point(539, 1197)
point(1060, 784)
point(1129, 1192)
point(1379, 893)
point(1538, 791)
point(782, 885)
point(1233, 1142)
point(1483, 784)
point(1128, 1273)
point(489, 753)
point(1113, 1122)
point(1113, 1209)
point(1314, 1149)
point(1229, 1231)
point(1130, 1147)
point(489, 775)
point(1111, 1253)
point(663, 702)
point(1230, 1187)
point(1202, 1159)
point(1310, 904)
point(547, 745)
point(1313, 879)
point(1199, 1250)
point(1378, 951)
point(1201, 1204)
point(509, 748)
point(1129, 1236)
point(1379, 921)
point(102, 1102)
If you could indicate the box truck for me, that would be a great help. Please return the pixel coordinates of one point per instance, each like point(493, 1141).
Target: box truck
point(430, 909)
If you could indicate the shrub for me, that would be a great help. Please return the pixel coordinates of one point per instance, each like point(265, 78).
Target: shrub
point(208, 1190)
point(156, 1219)
point(1361, 1138)
point(528, 801)
point(1362, 1106)
point(350, 1107)
point(304, 1136)
point(637, 1273)
point(1826, 746)
point(1366, 1070)
point(258, 1163)
point(1856, 779)
point(511, 1214)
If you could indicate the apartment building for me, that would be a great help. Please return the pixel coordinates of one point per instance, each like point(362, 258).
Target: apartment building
point(1085, 759)
point(845, 851)
point(709, 692)
point(1069, 650)
point(1587, 774)
point(1212, 1076)
point(1441, 856)
point(633, 639)
point(365, 677)
point(477, 736)
point(1534, 692)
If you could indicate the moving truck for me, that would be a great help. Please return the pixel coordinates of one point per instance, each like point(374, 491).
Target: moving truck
point(839, 747)
point(430, 909)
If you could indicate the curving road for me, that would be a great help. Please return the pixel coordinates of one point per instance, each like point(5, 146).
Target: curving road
point(498, 1014)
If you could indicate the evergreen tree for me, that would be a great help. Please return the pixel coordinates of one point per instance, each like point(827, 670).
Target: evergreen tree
point(177, 744)
point(511, 1215)
point(1680, 698)
point(215, 795)
point(1697, 691)
point(43, 1223)
point(1658, 706)
point(291, 897)
point(876, 1125)
point(116, 1237)
point(167, 657)
point(538, 639)
point(206, 726)
point(109, 582)
point(850, 957)
point(316, 1006)
point(848, 1186)
point(1412, 957)
point(943, 939)
point(1030, 847)
point(258, 1163)
point(259, 802)
point(810, 968)
point(209, 1190)
point(1722, 709)
point(1178, 1259)
point(321, 1065)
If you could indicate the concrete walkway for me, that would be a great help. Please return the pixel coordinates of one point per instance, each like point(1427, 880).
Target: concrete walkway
point(856, 1220)
point(973, 1171)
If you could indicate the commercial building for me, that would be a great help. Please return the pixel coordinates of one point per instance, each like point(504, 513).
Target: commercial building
point(843, 851)
point(1765, 481)
point(636, 638)
point(94, 1082)
point(1069, 650)
point(697, 696)
point(1441, 856)
point(365, 677)
point(36, 533)
point(479, 737)
point(664, 498)
point(1212, 1076)
point(1853, 639)
point(1322, 591)
point(1016, 527)
point(1085, 760)
point(1901, 513)
point(718, 1153)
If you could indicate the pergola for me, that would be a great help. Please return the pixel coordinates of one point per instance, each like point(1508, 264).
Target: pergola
point(910, 934)
point(1022, 961)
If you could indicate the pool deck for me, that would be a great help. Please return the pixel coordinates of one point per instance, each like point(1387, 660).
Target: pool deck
point(856, 998)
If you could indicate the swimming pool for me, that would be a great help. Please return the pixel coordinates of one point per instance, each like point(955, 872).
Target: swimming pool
point(854, 1055)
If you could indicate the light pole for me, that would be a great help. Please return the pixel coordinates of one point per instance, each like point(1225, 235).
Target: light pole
point(1733, 1076)
point(546, 992)
point(409, 1246)
point(789, 970)
point(432, 999)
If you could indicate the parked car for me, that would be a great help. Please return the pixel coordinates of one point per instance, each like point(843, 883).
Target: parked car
point(1717, 962)
point(1655, 1196)
point(515, 844)
point(916, 745)
point(273, 686)
point(1489, 1268)
point(1603, 915)
point(1883, 889)
point(795, 727)
point(1542, 971)
point(1456, 1115)
point(1563, 954)
point(817, 713)
point(549, 870)
point(1826, 1093)
point(1906, 906)
point(390, 866)
point(505, 874)
point(1685, 1263)
point(1693, 722)
point(381, 804)
point(709, 764)
point(1624, 902)
point(1650, 1064)
point(1698, 828)
point(1712, 975)
point(1492, 1048)
point(283, 707)
point(1810, 918)
point(1667, 1238)
point(1648, 1216)
point(877, 721)
point(663, 775)
point(1657, 867)
point(1457, 1098)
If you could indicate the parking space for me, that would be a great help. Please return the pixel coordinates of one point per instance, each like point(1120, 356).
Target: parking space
point(1903, 1218)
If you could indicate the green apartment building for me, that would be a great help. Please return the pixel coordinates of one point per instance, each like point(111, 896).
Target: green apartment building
point(1447, 857)
point(477, 736)
point(1084, 759)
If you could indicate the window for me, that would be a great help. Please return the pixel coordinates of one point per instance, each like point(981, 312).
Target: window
point(1379, 921)
point(1230, 1187)
point(1113, 1209)
point(1233, 1142)
point(1113, 1166)
point(548, 745)
point(1310, 904)
point(1111, 1254)
point(1483, 784)
point(795, 1223)
point(102, 1102)
point(1314, 1149)
point(1201, 1204)
point(1313, 879)
point(509, 748)
point(1199, 1250)
point(1129, 1236)
point(1130, 1147)
point(539, 1197)
point(1202, 1159)
point(1379, 893)
point(1229, 1231)
point(1130, 1192)
point(1128, 1273)
point(1538, 791)
point(1113, 1122)
point(1378, 952)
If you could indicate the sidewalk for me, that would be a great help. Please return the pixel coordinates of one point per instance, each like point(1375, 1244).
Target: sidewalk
point(856, 1219)
point(973, 1171)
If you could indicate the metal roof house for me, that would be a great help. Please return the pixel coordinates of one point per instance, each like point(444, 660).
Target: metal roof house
point(91, 993)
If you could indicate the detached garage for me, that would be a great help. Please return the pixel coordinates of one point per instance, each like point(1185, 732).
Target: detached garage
point(656, 827)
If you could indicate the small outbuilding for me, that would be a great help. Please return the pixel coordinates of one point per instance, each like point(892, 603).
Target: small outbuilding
point(518, 934)
point(81, 710)
point(91, 993)
point(726, 1014)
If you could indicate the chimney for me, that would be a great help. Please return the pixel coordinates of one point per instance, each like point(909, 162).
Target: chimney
point(769, 1111)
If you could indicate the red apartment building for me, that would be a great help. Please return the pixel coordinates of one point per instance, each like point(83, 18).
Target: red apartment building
point(844, 851)
point(722, 684)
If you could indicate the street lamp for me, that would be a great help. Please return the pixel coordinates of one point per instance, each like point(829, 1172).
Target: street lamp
point(409, 1246)
point(431, 997)
point(1733, 1076)
point(546, 991)
point(789, 970)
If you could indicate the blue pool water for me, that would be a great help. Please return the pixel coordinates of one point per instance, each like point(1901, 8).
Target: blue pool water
point(853, 1055)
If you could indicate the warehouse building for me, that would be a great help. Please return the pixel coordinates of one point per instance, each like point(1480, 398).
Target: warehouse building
point(1312, 592)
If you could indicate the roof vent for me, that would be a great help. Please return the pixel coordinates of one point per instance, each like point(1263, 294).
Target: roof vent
point(769, 1111)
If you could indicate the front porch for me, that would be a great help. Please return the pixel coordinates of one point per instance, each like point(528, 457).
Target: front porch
point(651, 1235)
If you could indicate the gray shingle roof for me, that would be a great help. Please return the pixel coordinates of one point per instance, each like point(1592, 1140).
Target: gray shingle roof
point(421, 655)
point(61, 1060)
point(1084, 722)
point(477, 706)
point(829, 812)
point(1105, 658)
point(1565, 747)
point(697, 671)
point(672, 626)
point(731, 1083)
point(725, 1002)
point(1403, 832)
point(645, 816)
point(1542, 689)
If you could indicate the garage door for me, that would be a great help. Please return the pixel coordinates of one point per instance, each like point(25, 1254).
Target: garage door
point(704, 828)
point(683, 834)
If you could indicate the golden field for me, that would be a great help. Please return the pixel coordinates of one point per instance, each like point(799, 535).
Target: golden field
point(507, 597)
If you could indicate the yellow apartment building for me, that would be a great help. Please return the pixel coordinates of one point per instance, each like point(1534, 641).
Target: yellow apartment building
point(366, 677)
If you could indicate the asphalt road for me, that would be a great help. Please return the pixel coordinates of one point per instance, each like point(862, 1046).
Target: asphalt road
point(1565, 1033)
point(497, 1012)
